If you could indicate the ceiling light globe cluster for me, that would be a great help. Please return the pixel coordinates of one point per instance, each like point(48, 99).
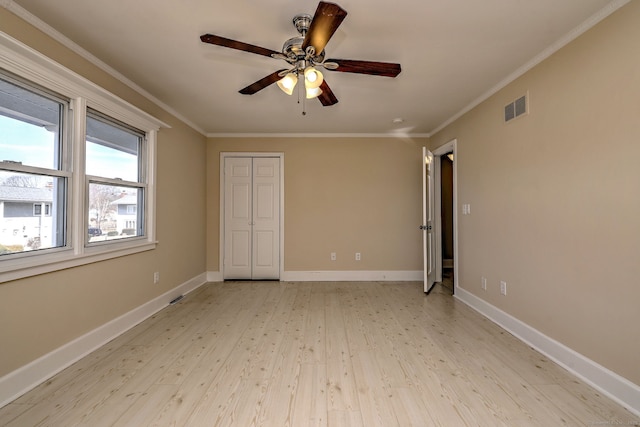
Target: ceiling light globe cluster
point(313, 78)
point(312, 81)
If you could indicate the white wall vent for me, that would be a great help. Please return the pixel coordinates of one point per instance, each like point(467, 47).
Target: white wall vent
point(516, 108)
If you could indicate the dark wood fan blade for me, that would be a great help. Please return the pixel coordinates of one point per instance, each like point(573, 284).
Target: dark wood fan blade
point(234, 44)
point(327, 97)
point(386, 69)
point(325, 22)
point(262, 83)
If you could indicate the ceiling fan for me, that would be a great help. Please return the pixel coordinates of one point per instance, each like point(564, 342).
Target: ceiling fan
point(305, 53)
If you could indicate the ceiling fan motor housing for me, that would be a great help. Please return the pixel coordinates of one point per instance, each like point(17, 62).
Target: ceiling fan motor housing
point(292, 48)
point(302, 23)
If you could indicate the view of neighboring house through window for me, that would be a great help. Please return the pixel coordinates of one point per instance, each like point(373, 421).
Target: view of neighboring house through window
point(114, 166)
point(33, 174)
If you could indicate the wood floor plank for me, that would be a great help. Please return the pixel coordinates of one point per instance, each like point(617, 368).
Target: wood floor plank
point(36, 416)
point(345, 419)
point(342, 392)
point(77, 407)
point(12, 411)
point(410, 408)
point(284, 381)
point(373, 393)
point(341, 354)
point(315, 330)
point(145, 408)
point(577, 408)
point(310, 406)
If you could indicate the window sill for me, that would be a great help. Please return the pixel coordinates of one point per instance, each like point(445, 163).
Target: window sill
point(48, 263)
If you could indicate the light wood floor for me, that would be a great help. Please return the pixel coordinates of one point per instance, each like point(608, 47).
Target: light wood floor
point(315, 354)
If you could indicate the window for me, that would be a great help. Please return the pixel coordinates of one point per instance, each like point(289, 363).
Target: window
point(38, 211)
point(76, 168)
point(115, 169)
point(33, 175)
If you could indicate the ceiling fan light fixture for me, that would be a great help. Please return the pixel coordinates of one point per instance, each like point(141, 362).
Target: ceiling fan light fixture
point(312, 78)
point(313, 92)
point(287, 83)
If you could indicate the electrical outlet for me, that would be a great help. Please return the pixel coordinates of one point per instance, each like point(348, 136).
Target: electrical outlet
point(484, 283)
point(333, 256)
point(503, 287)
point(358, 256)
point(156, 277)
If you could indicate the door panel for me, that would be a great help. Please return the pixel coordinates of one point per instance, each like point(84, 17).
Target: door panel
point(264, 253)
point(266, 218)
point(428, 219)
point(240, 201)
point(237, 197)
point(264, 202)
point(241, 246)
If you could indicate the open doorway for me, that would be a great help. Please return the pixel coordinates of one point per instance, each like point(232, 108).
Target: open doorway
point(446, 218)
point(446, 248)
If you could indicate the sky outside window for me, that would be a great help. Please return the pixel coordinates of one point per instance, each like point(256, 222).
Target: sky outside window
point(30, 144)
point(34, 146)
point(111, 163)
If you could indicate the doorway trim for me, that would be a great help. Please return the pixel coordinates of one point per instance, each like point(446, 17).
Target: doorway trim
point(449, 147)
point(223, 156)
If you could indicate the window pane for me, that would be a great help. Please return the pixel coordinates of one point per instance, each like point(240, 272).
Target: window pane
point(29, 127)
point(114, 212)
point(112, 150)
point(31, 212)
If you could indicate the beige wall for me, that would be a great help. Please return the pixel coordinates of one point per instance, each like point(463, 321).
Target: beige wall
point(555, 196)
point(342, 195)
point(41, 313)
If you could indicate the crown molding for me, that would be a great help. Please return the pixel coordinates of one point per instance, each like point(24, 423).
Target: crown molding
point(559, 44)
point(318, 135)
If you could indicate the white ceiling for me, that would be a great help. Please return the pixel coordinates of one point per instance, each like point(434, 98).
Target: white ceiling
point(452, 52)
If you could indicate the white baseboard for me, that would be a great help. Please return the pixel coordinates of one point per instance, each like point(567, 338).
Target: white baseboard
point(338, 276)
point(607, 382)
point(23, 379)
point(355, 276)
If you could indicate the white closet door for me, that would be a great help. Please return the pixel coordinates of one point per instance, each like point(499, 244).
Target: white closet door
point(237, 218)
point(266, 218)
point(252, 218)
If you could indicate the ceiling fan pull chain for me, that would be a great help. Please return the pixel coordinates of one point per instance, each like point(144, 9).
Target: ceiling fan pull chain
point(304, 104)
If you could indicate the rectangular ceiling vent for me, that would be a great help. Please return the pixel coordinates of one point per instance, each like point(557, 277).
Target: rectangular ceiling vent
point(516, 109)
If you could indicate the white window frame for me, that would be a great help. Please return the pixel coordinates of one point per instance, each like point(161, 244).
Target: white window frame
point(140, 185)
point(25, 62)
